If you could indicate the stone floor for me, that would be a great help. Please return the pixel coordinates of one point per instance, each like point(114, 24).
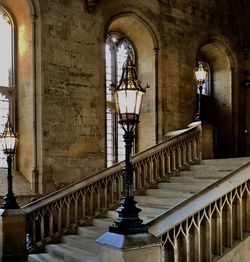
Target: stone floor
point(21, 187)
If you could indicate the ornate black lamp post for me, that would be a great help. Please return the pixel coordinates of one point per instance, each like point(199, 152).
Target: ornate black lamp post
point(201, 75)
point(128, 97)
point(9, 142)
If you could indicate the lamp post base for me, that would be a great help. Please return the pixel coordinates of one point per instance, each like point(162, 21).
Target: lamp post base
point(128, 221)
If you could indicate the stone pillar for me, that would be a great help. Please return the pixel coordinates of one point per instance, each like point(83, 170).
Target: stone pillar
point(127, 248)
point(207, 141)
point(12, 235)
point(208, 136)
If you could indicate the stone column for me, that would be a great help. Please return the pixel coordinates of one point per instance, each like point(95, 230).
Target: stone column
point(127, 248)
point(12, 235)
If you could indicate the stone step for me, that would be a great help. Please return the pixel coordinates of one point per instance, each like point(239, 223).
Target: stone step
point(92, 231)
point(148, 209)
point(167, 193)
point(237, 161)
point(187, 188)
point(81, 242)
point(190, 179)
point(102, 222)
point(205, 174)
point(72, 254)
point(168, 202)
point(43, 257)
point(225, 167)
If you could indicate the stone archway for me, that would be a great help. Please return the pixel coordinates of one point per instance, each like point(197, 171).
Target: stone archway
point(220, 62)
point(144, 41)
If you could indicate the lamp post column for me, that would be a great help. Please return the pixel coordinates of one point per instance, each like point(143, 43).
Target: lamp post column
point(198, 115)
point(9, 199)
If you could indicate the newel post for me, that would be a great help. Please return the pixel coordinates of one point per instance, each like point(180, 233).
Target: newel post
point(12, 235)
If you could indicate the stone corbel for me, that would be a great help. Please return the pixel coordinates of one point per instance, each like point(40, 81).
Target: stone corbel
point(91, 5)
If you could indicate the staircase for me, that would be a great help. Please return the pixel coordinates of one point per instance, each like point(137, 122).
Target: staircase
point(170, 194)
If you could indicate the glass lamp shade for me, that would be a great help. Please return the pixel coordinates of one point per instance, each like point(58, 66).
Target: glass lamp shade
point(8, 140)
point(128, 96)
point(200, 74)
point(128, 103)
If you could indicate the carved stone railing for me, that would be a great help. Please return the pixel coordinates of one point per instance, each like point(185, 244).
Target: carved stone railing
point(204, 226)
point(62, 211)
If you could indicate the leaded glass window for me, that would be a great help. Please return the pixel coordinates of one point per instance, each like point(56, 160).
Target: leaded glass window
point(116, 51)
point(6, 71)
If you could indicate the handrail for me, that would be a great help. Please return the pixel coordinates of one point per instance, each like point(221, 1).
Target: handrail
point(63, 210)
point(205, 197)
point(211, 220)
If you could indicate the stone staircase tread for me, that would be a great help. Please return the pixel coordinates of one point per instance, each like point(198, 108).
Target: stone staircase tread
point(72, 254)
point(91, 231)
point(81, 242)
point(168, 193)
point(43, 257)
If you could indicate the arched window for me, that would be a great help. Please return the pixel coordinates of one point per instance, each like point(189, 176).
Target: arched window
point(115, 55)
point(6, 71)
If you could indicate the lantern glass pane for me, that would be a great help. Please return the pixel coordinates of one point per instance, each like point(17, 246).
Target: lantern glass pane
point(201, 75)
point(138, 102)
point(131, 101)
point(121, 100)
point(10, 143)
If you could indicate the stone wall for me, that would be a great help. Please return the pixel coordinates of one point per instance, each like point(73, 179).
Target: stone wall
point(71, 104)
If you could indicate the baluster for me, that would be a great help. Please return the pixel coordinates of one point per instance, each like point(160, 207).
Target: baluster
point(173, 156)
point(230, 225)
point(195, 155)
point(184, 153)
point(34, 240)
point(76, 209)
point(189, 152)
point(42, 227)
point(91, 202)
point(60, 217)
point(139, 175)
point(51, 224)
point(84, 206)
point(239, 217)
point(98, 204)
point(247, 206)
point(163, 164)
point(168, 163)
point(111, 192)
point(179, 155)
point(68, 213)
point(209, 236)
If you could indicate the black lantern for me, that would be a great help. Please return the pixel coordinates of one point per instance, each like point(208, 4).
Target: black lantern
point(9, 142)
point(200, 75)
point(128, 97)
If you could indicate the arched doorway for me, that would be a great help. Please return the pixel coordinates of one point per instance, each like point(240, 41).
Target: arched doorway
point(220, 63)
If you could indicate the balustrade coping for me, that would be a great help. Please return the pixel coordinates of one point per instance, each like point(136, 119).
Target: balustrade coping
point(118, 167)
point(181, 212)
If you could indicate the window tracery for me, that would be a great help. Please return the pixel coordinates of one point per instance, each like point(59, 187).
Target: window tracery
point(115, 55)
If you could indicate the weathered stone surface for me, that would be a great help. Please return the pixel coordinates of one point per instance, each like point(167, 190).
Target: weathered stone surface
point(70, 78)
